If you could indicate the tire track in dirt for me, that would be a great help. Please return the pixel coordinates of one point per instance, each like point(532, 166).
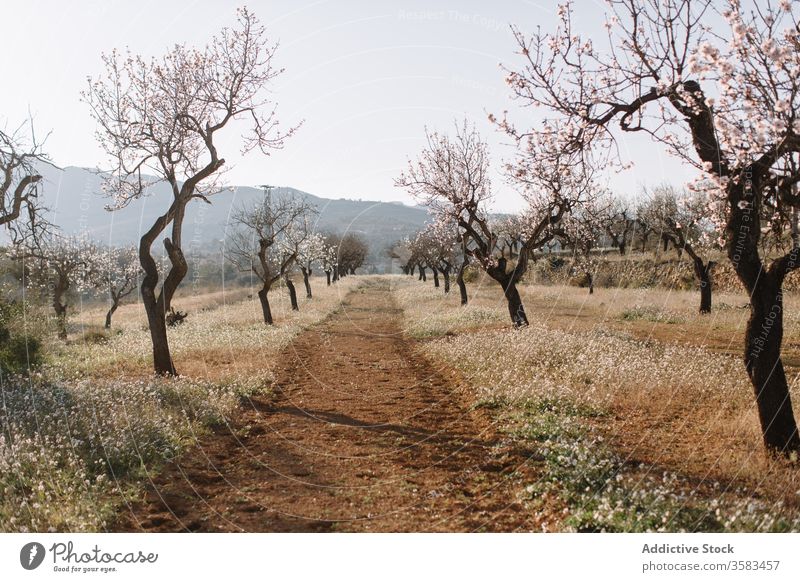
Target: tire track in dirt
point(362, 434)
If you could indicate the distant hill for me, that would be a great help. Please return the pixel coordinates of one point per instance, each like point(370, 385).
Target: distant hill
point(74, 198)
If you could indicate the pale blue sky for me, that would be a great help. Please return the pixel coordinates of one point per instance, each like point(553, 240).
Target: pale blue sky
point(365, 76)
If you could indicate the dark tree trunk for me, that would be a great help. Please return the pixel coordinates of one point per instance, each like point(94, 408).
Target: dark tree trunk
point(507, 281)
point(763, 339)
point(292, 294)
point(61, 319)
point(705, 295)
point(622, 246)
point(764, 333)
point(462, 286)
point(111, 311)
point(411, 270)
point(156, 321)
point(645, 238)
point(422, 274)
point(590, 280)
point(306, 273)
point(703, 272)
point(328, 276)
point(435, 277)
point(157, 306)
point(265, 310)
point(60, 307)
point(515, 308)
point(446, 275)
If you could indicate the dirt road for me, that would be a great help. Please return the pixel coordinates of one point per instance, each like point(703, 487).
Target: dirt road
point(362, 434)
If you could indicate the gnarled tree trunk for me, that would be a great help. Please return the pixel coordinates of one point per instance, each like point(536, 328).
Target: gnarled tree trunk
point(508, 281)
point(157, 306)
point(263, 297)
point(703, 272)
point(59, 306)
point(764, 333)
point(114, 304)
point(435, 276)
point(462, 286)
point(763, 338)
point(306, 273)
point(515, 307)
point(292, 294)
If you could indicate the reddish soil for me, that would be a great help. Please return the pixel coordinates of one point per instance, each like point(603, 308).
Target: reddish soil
point(362, 433)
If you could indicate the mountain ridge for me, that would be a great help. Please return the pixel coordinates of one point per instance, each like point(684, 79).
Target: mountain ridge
point(75, 203)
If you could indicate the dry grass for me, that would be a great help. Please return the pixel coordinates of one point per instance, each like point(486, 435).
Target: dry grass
point(223, 338)
point(657, 379)
point(78, 437)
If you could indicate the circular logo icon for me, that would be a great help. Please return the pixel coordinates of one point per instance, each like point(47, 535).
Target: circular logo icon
point(31, 555)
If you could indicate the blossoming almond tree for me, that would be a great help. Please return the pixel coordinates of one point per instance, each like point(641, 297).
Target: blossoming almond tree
point(725, 101)
point(683, 219)
point(427, 250)
point(63, 264)
point(19, 178)
point(266, 242)
point(451, 178)
point(312, 250)
point(329, 258)
point(436, 246)
point(618, 220)
point(159, 121)
point(118, 275)
point(580, 230)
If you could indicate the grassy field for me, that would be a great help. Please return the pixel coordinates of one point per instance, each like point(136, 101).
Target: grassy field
point(84, 433)
point(639, 407)
point(633, 411)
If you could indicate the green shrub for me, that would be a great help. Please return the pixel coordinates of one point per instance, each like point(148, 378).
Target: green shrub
point(20, 348)
point(471, 274)
point(95, 336)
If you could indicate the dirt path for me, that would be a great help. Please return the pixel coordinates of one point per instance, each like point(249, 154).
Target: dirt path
point(363, 435)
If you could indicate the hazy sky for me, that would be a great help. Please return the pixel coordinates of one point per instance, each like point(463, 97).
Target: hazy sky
point(366, 78)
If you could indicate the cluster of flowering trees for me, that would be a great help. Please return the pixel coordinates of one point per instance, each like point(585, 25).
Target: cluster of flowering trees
point(440, 248)
point(451, 176)
point(678, 219)
point(724, 100)
point(160, 120)
point(60, 265)
point(19, 177)
point(63, 267)
point(268, 241)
